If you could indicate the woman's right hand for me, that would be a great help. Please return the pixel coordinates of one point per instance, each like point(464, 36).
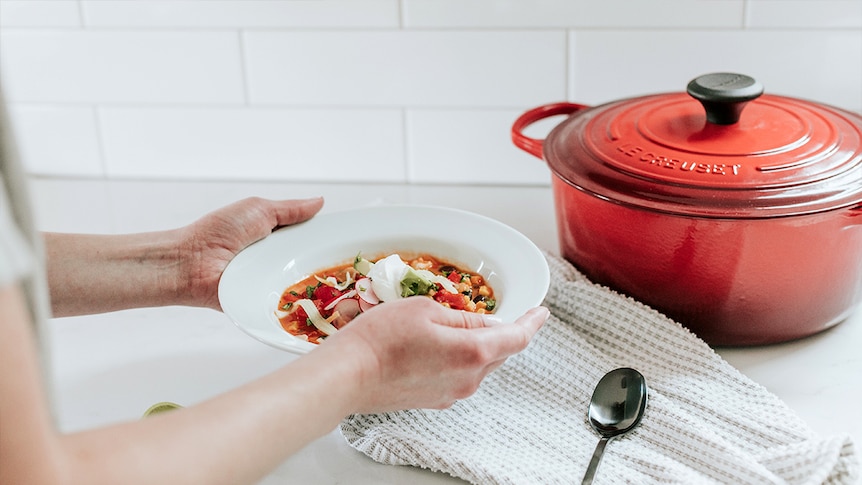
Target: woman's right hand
point(415, 353)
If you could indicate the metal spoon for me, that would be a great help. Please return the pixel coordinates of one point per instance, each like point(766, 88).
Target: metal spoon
point(617, 406)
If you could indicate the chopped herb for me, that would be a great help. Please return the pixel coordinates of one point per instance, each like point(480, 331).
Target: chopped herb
point(309, 291)
point(490, 303)
point(287, 306)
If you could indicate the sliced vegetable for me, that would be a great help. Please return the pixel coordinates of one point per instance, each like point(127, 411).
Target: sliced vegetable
point(333, 281)
point(365, 291)
point(314, 316)
point(333, 303)
point(347, 309)
point(362, 265)
point(365, 306)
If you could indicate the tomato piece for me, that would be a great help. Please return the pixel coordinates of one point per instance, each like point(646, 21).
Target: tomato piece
point(456, 301)
point(454, 277)
point(301, 316)
point(325, 294)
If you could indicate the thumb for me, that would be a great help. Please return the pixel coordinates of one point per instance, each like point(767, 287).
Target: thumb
point(293, 211)
point(464, 319)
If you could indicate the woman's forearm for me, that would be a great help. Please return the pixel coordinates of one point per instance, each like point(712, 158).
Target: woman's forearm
point(232, 439)
point(100, 273)
point(402, 355)
point(235, 438)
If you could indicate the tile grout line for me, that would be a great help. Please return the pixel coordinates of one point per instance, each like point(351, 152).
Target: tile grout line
point(103, 155)
point(80, 10)
point(243, 67)
point(100, 139)
point(409, 174)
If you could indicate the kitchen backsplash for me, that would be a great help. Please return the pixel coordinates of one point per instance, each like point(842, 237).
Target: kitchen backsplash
point(389, 91)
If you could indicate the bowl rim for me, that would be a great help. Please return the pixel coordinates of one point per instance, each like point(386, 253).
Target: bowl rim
point(252, 280)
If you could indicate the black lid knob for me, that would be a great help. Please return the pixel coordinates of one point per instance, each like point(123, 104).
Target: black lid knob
point(724, 95)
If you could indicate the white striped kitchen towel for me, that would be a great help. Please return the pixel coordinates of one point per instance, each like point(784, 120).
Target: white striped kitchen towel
point(705, 422)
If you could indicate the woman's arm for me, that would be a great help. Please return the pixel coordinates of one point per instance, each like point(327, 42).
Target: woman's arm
point(410, 353)
point(405, 354)
point(100, 273)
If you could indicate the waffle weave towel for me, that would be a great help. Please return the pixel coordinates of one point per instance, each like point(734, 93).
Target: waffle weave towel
point(704, 423)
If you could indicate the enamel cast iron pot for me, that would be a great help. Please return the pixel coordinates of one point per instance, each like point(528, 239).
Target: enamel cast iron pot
point(744, 225)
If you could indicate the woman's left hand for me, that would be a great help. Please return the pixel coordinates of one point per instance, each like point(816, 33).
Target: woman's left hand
point(209, 244)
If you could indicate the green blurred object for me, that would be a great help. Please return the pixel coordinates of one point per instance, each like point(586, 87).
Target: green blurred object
point(161, 408)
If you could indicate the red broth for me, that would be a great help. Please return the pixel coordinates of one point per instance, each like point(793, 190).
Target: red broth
point(338, 301)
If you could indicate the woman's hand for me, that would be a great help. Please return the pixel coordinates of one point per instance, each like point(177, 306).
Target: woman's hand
point(208, 244)
point(415, 353)
point(95, 273)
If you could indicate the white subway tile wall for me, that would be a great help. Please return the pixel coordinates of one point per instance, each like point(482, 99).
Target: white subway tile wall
point(362, 145)
point(39, 14)
point(375, 91)
point(821, 65)
point(406, 69)
point(129, 67)
point(573, 14)
point(43, 131)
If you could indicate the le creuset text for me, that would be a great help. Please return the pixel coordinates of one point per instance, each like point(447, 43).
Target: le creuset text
point(651, 158)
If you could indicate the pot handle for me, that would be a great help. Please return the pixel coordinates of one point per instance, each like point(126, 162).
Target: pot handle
point(534, 145)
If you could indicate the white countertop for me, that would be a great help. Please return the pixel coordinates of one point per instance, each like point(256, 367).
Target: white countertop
point(112, 367)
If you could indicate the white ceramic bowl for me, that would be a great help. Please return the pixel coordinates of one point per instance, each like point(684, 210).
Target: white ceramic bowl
point(255, 279)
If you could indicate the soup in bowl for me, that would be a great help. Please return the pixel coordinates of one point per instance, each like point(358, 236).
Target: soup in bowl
point(499, 270)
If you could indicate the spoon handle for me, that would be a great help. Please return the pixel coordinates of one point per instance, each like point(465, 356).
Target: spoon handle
point(594, 462)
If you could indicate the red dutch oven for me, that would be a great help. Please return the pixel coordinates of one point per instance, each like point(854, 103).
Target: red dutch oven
point(743, 225)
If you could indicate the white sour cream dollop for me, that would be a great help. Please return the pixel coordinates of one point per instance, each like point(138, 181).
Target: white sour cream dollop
point(386, 275)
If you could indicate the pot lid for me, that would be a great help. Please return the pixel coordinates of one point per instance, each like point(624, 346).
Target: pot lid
point(721, 149)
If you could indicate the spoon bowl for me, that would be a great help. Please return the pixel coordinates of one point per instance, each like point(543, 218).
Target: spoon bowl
point(617, 406)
